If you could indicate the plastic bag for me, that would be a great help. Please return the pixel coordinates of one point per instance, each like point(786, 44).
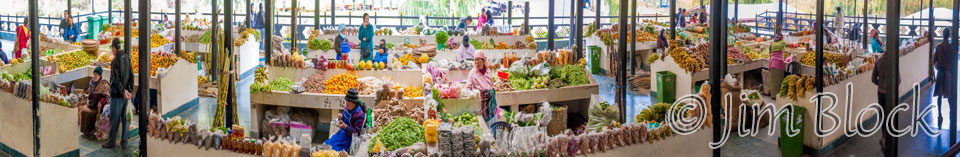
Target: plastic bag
point(600, 116)
point(541, 69)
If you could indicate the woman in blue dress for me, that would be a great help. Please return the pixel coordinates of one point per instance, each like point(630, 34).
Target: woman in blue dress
point(352, 121)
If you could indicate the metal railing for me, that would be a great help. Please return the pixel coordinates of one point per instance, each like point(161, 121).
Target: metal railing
point(792, 21)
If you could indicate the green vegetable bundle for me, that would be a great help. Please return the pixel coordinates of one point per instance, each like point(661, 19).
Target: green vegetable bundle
point(205, 38)
point(572, 75)
point(326, 45)
point(314, 44)
point(401, 132)
point(441, 37)
point(281, 84)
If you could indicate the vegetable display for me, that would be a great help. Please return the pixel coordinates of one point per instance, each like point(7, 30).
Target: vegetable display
point(314, 44)
point(157, 60)
point(572, 74)
point(400, 133)
point(314, 84)
point(281, 84)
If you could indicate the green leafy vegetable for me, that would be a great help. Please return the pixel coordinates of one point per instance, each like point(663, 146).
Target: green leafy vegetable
point(401, 132)
point(281, 84)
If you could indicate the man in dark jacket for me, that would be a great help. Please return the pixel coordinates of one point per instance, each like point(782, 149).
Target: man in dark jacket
point(121, 85)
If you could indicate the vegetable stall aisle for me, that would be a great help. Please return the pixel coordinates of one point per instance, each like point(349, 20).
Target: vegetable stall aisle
point(59, 125)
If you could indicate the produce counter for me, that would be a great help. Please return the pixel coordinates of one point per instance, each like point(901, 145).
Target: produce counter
point(430, 39)
point(640, 53)
point(407, 77)
point(159, 147)
point(864, 94)
point(686, 81)
point(327, 105)
point(59, 128)
point(174, 90)
point(516, 98)
point(450, 55)
point(689, 145)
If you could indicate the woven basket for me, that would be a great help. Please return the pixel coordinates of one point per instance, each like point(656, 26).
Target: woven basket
point(558, 122)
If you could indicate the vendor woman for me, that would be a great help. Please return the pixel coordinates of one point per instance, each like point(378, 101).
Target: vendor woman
point(352, 120)
point(777, 66)
point(481, 78)
point(99, 95)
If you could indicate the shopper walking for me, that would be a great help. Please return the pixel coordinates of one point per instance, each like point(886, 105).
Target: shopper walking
point(946, 55)
point(351, 122)
point(464, 22)
point(875, 43)
point(121, 85)
point(23, 35)
point(69, 32)
point(481, 78)
point(343, 49)
point(366, 38)
point(466, 51)
point(98, 94)
point(838, 24)
point(776, 65)
point(3, 55)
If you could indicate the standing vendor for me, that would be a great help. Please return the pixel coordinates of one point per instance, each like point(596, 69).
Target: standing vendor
point(343, 46)
point(22, 36)
point(777, 66)
point(351, 122)
point(366, 38)
point(481, 78)
point(466, 51)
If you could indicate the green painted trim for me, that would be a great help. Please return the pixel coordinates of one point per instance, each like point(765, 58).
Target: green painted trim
point(14, 153)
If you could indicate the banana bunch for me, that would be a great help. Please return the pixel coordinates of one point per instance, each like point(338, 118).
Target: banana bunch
point(260, 75)
point(810, 58)
point(683, 58)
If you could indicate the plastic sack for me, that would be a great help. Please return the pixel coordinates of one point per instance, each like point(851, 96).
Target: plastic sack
point(541, 69)
point(599, 116)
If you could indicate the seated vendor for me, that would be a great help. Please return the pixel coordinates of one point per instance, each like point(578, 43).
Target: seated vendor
point(481, 78)
point(99, 95)
point(382, 54)
point(351, 122)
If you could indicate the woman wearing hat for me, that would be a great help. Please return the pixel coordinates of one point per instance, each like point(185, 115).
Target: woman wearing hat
point(351, 122)
point(481, 78)
point(344, 49)
point(777, 66)
point(98, 95)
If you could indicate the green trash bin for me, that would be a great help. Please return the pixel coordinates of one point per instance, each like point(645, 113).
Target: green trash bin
point(93, 27)
point(666, 86)
point(595, 59)
point(792, 146)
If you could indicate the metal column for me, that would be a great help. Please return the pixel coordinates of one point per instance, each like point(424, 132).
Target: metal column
point(213, 38)
point(930, 34)
point(953, 41)
point(249, 15)
point(144, 88)
point(509, 14)
point(819, 50)
point(35, 71)
point(736, 12)
point(333, 13)
point(597, 18)
point(866, 24)
point(110, 11)
point(228, 48)
point(633, 43)
point(551, 31)
point(778, 27)
point(892, 61)
point(176, 29)
point(526, 17)
point(316, 15)
point(673, 19)
point(622, 72)
point(268, 32)
point(70, 8)
point(717, 60)
point(294, 32)
point(578, 51)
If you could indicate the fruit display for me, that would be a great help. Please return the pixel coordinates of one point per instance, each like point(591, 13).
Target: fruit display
point(72, 60)
point(653, 114)
point(653, 57)
point(340, 83)
point(189, 56)
point(401, 132)
point(686, 60)
point(754, 55)
point(383, 31)
point(810, 58)
point(794, 86)
point(157, 40)
point(260, 83)
point(157, 60)
point(412, 92)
